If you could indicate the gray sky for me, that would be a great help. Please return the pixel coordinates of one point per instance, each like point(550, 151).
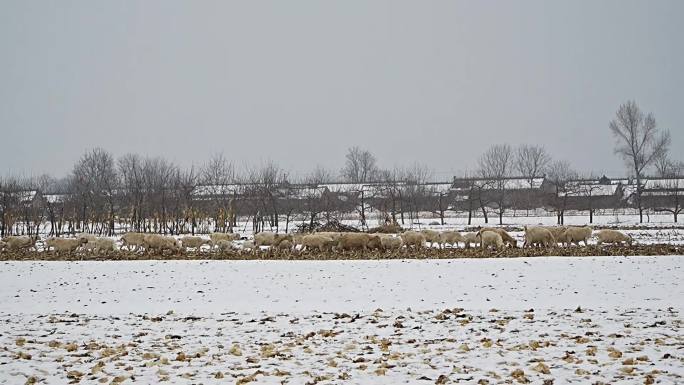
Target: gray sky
point(299, 82)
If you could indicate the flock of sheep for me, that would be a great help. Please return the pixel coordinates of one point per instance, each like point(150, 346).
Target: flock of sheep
point(485, 238)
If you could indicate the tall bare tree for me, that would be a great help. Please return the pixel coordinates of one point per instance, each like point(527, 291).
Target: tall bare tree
point(95, 180)
point(665, 167)
point(360, 166)
point(264, 185)
point(669, 194)
point(559, 174)
point(217, 176)
point(319, 175)
point(495, 165)
point(531, 161)
point(638, 142)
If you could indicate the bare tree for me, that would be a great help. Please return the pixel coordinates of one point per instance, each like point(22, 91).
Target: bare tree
point(263, 185)
point(416, 176)
point(158, 177)
point(639, 142)
point(392, 190)
point(495, 166)
point(314, 199)
point(531, 162)
point(360, 166)
point(95, 179)
point(667, 193)
point(559, 174)
point(217, 176)
point(666, 167)
point(54, 191)
point(319, 175)
point(589, 191)
point(130, 168)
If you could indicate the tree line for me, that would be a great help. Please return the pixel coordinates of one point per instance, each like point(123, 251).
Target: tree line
point(103, 194)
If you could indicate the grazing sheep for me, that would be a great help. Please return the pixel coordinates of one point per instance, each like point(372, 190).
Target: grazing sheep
point(390, 242)
point(432, 237)
point(90, 237)
point(194, 242)
point(508, 240)
point(335, 235)
point(68, 245)
point(216, 237)
point(471, 239)
point(99, 245)
point(248, 247)
point(160, 243)
point(282, 238)
point(557, 232)
point(350, 241)
point(538, 236)
point(284, 246)
point(374, 242)
point(297, 239)
point(490, 238)
point(14, 243)
point(451, 238)
point(268, 238)
point(224, 246)
point(613, 237)
point(264, 238)
point(132, 241)
point(318, 241)
point(575, 234)
point(413, 238)
point(2, 245)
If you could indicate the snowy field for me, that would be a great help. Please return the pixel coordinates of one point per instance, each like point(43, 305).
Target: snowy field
point(488, 321)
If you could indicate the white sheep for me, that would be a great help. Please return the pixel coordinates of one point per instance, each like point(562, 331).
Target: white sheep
point(575, 234)
point(133, 241)
point(216, 237)
point(451, 238)
point(507, 238)
point(432, 237)
point(350, 241)
point(285, 245)
point(413, 238)
point(490, 238)
point(558, 232)
point(225, 246)
point(538, 236)
point(317, 241)
point(390, 242)
point(161, 243)
point(335, 235)
point(64, 245)
point(14, 243)
point(612, 237)
point(196, 243)
point(268, 238)
point(264, 238)
point(471, 239)
point(99, 245)
point(248, 247)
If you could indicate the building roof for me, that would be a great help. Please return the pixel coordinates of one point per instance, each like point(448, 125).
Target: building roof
point(513, 183)
point(664, 183)
point(590, 188)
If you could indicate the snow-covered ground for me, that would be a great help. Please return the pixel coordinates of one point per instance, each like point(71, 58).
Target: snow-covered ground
point(204, 287)
point(580, 320)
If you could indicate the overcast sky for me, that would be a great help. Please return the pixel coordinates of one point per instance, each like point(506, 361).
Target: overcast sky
point(298, 82)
